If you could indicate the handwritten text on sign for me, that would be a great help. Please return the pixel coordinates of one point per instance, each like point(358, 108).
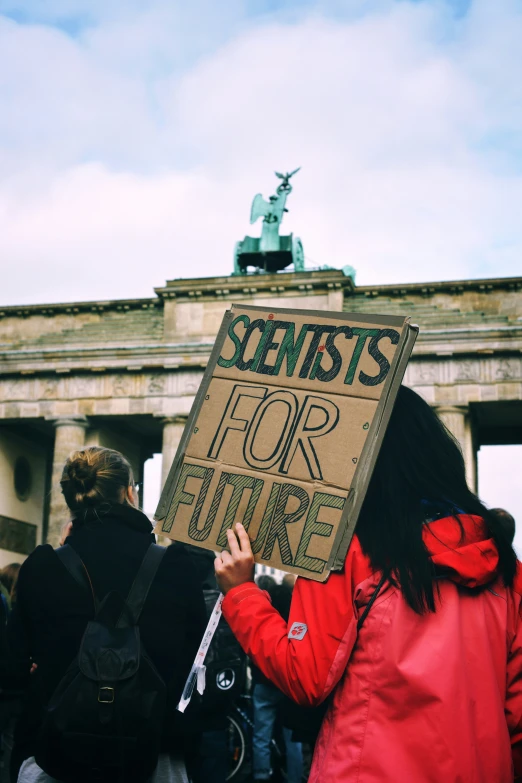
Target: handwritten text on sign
point(279, 434)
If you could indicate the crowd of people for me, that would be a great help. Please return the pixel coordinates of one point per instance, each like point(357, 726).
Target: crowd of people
point(405, 666)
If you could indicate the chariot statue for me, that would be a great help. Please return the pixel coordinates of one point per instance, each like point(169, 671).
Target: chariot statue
point(271, 252)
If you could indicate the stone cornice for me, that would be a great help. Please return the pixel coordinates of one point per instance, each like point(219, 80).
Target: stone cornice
point(201, 288)
point(464, 342)
point(131, 358)
point(229, 287)
point(174, 348)
point(24, 311)
point(445, 286)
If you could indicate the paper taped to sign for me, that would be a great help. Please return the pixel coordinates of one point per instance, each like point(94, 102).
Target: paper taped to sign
point(284, 433)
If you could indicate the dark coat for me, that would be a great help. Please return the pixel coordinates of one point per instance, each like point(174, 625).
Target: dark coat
point(52, 611)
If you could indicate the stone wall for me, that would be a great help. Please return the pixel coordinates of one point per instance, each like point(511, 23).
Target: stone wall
point(22, 502)
point(124, 373)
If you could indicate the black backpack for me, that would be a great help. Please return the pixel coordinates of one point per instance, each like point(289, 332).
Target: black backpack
point(104, 721)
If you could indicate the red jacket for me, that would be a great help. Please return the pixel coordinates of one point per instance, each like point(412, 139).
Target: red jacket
point(433, 698)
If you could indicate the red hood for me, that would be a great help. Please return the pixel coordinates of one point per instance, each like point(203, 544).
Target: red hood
point(469, 553)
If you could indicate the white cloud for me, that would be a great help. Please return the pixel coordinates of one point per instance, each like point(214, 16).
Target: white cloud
point(135, 169)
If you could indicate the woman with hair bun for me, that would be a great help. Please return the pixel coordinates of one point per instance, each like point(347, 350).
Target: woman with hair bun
point(110, 537)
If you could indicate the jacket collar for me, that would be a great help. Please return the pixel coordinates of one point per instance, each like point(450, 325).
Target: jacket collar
point(121, 512)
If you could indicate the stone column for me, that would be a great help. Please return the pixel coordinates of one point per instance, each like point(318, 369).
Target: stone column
point(69, 436)
point(457, 420)
point(173, 427)
point(172, 431)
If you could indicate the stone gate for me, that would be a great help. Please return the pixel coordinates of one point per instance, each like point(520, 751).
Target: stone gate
point(124, 373)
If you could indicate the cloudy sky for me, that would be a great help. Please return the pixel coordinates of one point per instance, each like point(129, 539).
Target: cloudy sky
point(133, 136)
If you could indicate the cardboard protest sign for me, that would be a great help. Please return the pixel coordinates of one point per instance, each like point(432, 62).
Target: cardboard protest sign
point(284, 433)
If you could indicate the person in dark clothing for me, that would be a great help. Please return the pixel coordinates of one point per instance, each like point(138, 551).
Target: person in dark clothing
point(9, 700)
point(269, 703)
point(211, 764)
point(266, 582)
point(111, 536)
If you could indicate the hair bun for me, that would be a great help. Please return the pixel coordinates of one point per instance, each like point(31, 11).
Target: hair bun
point(95, 475)
point(82, 475)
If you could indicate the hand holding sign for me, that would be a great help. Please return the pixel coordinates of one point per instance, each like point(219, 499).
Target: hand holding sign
point(237, 567)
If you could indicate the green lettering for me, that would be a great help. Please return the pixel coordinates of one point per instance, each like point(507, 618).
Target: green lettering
point(362, 336)
point(269, 345)
point(290, 349)
point(240, 363)
point(314, 528)
point(380, 358)
point(327, 375)
point(235, 339)
point(265, 337)
point(317, 330)
point(187, 498)
point(258, 544)
point(280, 520)
point(316, 365)
point(240, 483)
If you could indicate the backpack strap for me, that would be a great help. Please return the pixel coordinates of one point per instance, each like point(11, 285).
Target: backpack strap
point(370, 603)
point(76, 567)
point(142, 584)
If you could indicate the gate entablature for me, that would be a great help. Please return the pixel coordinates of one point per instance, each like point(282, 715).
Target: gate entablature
point(85, 362)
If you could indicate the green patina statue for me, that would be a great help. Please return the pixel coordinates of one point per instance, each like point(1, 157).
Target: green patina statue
point(271, 252)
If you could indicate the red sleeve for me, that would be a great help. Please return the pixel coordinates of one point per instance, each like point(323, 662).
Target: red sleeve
point(513, 707)
point(307, 657)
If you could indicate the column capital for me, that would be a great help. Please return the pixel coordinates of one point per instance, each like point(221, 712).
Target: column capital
point(71, 421)
point(180, 418)
point(462, 410)
point(69, 437)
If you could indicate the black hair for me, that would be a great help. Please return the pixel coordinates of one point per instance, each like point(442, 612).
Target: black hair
point(420, 461)
point(506, 520)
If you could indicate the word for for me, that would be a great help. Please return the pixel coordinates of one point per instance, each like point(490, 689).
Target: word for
point(274, 520)
point(296, 429)
point(290, 347)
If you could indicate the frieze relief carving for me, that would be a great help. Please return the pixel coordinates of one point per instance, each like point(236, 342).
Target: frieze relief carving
point(156, 385)
point(49, 388)
point(467, 370)
point(507, 369)
point(423, 372)
point(189, 382)
point(82, 386)
point(121, 386)
point(486, 370)
point(145, 389)
point(15, 389)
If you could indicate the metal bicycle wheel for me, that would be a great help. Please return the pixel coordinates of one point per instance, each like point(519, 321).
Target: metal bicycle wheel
point(236, 747)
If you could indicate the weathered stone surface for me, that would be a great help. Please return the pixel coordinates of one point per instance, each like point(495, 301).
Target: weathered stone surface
point(70, 436)
point(130, 362)
point(17, 536)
